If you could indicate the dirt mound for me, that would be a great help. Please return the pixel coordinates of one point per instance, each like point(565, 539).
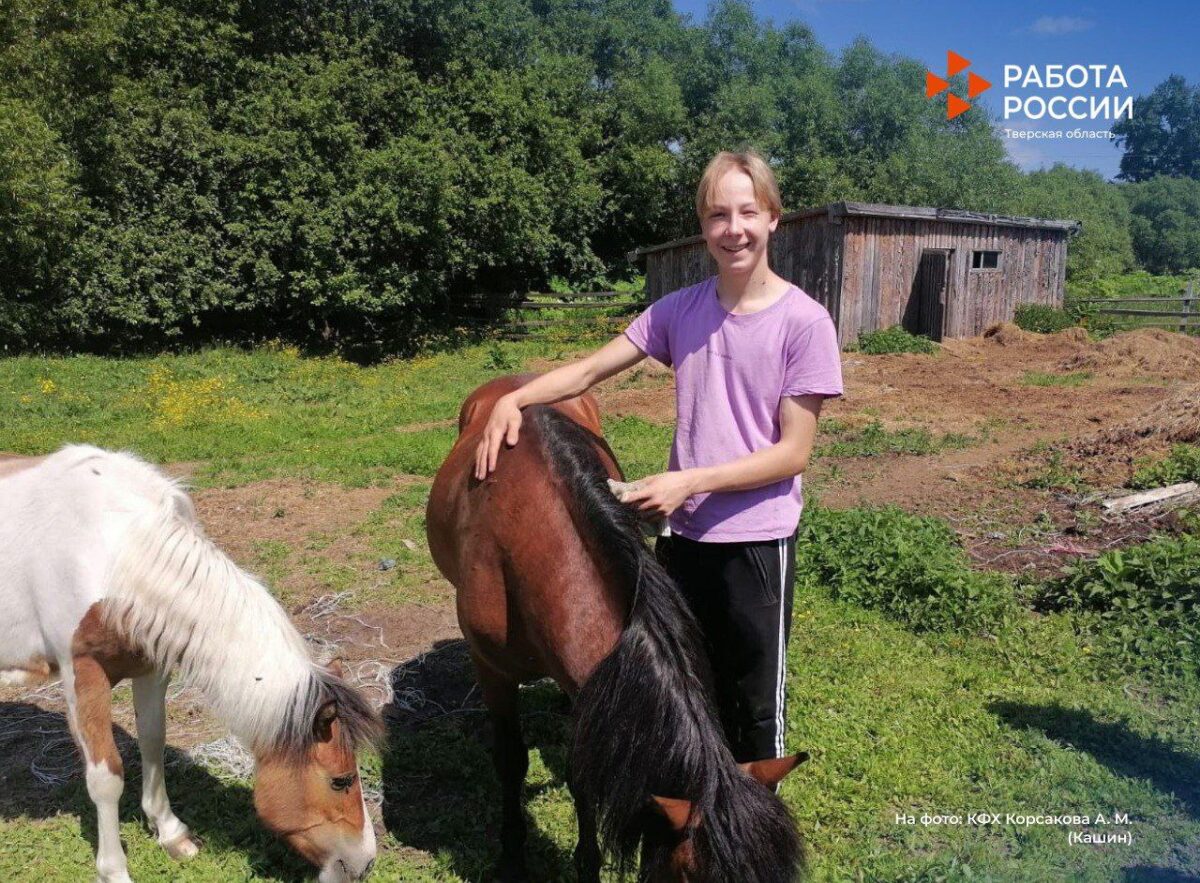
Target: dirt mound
point(1174, 420)
point(1114, 453)
point(1074, 334)
point(1007, 334)
point(1146, 351)
point(1019, 342)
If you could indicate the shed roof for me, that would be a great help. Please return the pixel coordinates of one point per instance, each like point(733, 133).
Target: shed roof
point(909, 212)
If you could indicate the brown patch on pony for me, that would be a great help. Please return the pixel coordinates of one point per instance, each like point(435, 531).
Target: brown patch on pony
point(101, 659)
point(37, 670)
point(11, 464)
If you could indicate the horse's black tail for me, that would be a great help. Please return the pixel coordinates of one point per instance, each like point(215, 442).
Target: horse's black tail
point(644, 722)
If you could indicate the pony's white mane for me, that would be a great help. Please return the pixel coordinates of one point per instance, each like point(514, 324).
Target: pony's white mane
point(186, 605)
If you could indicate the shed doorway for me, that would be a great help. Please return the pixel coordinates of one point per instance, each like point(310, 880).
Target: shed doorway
point(926, 312)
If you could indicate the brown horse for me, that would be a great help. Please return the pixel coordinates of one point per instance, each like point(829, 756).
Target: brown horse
point(554, 578)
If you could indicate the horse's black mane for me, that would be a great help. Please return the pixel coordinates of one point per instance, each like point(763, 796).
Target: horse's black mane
point(645, 722)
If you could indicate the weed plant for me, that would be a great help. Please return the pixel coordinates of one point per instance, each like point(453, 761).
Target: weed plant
point(908, 566)
point(892, 340)
point(1140, 604)
point(1182, 464)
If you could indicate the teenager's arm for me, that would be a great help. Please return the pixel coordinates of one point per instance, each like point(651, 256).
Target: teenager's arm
point(504, 424)
point(662, 494)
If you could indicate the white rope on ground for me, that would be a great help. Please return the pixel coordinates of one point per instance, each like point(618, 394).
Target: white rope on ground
point(225, 756)
point(56, 760)
point(327, 607)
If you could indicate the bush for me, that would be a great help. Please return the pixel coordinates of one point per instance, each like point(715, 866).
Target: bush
point(1141, 604)
point(910, 567)
point(1136, 284)
point(892, 340)
point(1042, 318)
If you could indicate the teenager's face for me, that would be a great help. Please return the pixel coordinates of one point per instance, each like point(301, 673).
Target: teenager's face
point(735, 226)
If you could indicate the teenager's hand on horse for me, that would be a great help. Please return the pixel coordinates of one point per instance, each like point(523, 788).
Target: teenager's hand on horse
point(503, 426)
point(657, 496)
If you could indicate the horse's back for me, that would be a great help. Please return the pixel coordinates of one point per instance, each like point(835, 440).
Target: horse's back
point(11, 464)
point(61, 520)
point(472, 417)
point(524, 574)
point(452, 500)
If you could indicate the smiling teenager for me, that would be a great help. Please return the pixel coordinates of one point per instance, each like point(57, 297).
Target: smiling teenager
point(754, 357)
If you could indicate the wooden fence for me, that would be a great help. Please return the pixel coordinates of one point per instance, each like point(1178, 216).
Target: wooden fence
point(517, 317)
point(1184, 315)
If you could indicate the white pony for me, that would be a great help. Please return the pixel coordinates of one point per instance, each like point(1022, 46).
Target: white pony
point(105, 574)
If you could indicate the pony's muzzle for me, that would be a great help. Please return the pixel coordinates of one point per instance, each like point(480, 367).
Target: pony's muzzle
point(345, 870)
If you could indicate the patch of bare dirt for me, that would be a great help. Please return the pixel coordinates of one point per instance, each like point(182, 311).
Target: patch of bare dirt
point(285, 510)
point(428, 424)
point(979, 382)
point(378, 631)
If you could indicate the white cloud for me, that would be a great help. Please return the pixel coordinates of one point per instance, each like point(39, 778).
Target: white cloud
point(1055, 26)
point(1025, 153)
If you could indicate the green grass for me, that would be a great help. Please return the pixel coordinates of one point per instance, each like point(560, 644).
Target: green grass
point(896, 723)
point(873, 439)
point(640, 446)
point(1047, 378)
point(1026, 719)
point(1138, 284)
point(252, 415)
point(1052, 473)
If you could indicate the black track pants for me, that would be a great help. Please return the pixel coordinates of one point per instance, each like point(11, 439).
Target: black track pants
point(742, 595)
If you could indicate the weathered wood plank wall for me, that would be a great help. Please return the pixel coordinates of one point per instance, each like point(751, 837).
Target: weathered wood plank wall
point(862, 268)
point(881, 255)
point(806, 251)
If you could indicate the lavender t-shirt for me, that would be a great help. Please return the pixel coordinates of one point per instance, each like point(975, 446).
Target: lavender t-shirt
point(730, 373)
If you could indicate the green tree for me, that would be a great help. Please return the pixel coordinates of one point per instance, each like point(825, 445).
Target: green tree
point(347, 172)
point(1104, 247)
point(40, 211)
point(1165, 223)
point(1163, 135)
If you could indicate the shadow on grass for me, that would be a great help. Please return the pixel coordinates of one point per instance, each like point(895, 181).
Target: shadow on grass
point(1149, 874)
point(1114, 745)
point(220, 814)
point(441, 794)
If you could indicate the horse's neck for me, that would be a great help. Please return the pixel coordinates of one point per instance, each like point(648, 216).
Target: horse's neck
point(186, 604)
point(255, 681)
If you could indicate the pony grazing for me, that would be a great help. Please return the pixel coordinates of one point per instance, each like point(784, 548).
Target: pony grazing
point(105, 574)
point(553, 578)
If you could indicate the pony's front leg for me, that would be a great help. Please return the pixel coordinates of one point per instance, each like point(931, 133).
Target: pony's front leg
point(91, 723)
point(511, 758)
point(150, 706)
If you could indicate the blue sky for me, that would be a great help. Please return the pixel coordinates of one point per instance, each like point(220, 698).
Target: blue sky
point(1149, 40)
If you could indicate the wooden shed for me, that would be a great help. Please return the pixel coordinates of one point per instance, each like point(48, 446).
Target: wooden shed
point(938, 272)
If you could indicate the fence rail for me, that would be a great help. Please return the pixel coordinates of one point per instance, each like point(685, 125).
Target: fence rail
point(586, 311)
point(1185, 318)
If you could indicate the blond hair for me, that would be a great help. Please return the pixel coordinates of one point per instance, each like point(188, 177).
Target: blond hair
point(766, 190)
